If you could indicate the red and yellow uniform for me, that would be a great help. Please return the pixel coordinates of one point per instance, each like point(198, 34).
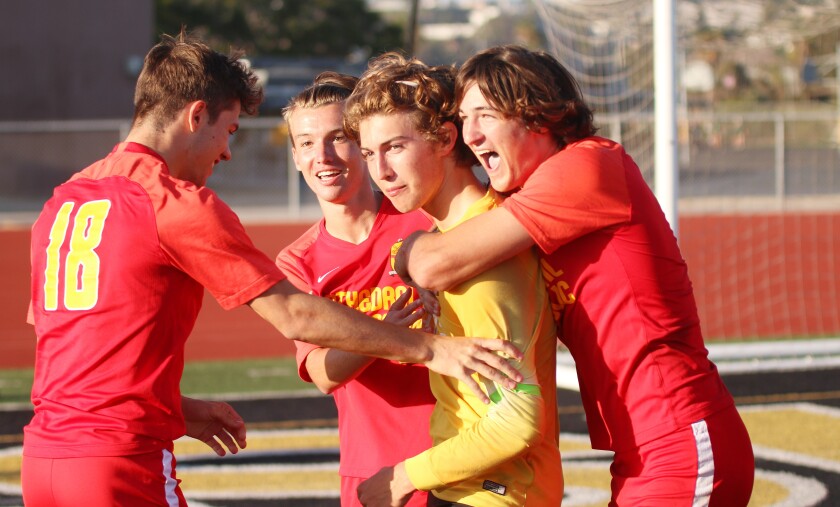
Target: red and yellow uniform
point(121, 255)
point(383, 414)
point(624, 305)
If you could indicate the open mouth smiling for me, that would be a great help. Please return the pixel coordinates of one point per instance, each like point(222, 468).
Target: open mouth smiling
point(329, 175)
point(489, 159)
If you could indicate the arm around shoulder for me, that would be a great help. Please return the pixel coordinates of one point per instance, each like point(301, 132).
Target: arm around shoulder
point(442, 261)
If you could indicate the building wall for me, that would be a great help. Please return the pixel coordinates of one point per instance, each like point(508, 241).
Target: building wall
point(70, 59)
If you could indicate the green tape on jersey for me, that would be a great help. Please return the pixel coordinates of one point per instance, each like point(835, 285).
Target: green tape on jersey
point(532, 389)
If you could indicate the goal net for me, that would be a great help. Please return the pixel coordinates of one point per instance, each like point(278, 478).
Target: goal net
point(608, 47)
point(758, 135)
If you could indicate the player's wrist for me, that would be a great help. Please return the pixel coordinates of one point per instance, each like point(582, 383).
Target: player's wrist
point(402, 483)
point(400, 253)
point(426, 345)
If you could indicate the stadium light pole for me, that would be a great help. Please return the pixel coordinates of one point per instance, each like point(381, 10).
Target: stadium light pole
point(666, 165)
point(411, 30)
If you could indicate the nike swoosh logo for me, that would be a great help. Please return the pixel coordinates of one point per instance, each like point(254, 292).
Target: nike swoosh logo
point(321, 278)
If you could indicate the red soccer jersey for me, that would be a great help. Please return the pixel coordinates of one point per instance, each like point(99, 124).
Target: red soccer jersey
point(621, 295)
point(383, 414)
point(120, 256)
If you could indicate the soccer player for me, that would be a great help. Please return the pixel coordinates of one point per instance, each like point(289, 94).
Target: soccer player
point(121, 255)
point(374, 397)
point(618, 284)
point(404, 114)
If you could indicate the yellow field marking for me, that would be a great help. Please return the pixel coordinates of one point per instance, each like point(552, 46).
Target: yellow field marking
point(767, 493)
point(572, 443)
point(801, 430)
point(268, 440)
point(257, 483)
point(795, 428)
point(587, 483)
point(10, 460)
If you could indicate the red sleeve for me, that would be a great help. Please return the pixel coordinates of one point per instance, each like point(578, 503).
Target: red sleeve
point(289, 262)
point(302, 351)
point(204, 238)
point(290, 259)
point(579, 190)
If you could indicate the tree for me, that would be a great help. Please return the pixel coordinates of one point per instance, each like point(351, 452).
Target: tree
point(521, 27)
point(326, 28)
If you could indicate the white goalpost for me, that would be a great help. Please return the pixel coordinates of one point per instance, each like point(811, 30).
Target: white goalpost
point(666, 165)
point(732, 111)
point(622, 52)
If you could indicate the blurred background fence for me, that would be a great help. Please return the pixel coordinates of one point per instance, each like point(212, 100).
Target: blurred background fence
point(759, 205)
point(39, 155)
point(781, 161)
point(758, 128)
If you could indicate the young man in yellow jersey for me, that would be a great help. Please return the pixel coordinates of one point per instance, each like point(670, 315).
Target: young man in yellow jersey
point(504, 454)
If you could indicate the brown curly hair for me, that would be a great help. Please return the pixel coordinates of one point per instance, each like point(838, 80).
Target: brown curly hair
point(531, 85)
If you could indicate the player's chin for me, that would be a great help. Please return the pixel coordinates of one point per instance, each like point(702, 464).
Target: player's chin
point(404, 204)
point(501, 184)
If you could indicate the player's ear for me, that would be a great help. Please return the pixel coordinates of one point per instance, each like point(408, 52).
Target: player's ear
point(295, 159)
point(448, 135)
point(196, 112)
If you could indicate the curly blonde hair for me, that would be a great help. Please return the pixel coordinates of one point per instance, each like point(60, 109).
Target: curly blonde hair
point(393, 83)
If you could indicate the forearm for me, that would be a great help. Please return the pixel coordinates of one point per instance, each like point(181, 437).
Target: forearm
point(441, 261)
point(330, 369)
point(508, 430)
point(190, 406)
point(322, 322)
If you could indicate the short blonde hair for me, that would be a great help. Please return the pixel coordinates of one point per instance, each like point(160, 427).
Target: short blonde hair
point(328, 88)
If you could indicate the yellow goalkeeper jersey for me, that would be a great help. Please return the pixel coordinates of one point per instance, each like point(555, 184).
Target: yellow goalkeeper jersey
point(507, 453)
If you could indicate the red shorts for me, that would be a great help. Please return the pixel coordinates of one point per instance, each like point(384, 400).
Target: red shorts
point(349, 497)
point(707, 464)
point(139, 481)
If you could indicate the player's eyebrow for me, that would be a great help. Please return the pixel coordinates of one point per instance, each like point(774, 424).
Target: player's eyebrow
point(388, 141)
point(477, 108)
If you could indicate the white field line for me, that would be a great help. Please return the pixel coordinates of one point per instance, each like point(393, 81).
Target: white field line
point(753, 357)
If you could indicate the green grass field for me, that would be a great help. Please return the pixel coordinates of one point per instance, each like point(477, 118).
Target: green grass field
point(205, 378)
point(210, 379)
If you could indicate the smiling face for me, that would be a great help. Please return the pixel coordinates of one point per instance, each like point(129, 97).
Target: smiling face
point(331, 164)
point(508, 151)
point(402, 162)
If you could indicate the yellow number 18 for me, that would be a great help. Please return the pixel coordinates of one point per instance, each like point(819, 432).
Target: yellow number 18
point(81, 267)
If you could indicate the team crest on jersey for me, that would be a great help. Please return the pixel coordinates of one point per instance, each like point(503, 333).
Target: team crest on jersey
point(394, 249)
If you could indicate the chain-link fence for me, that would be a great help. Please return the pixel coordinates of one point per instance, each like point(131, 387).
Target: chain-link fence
point(777, 161)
